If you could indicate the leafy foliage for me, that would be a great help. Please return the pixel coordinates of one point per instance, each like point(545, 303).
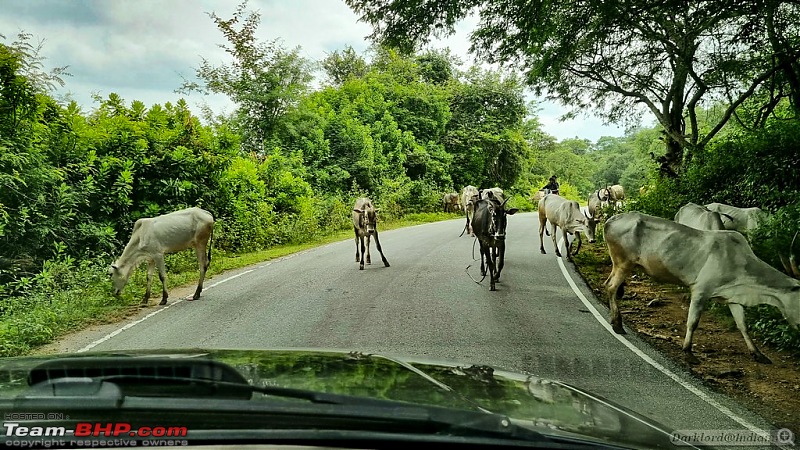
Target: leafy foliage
point(667, 57)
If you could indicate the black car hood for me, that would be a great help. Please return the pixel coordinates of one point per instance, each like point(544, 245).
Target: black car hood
point(548, 406)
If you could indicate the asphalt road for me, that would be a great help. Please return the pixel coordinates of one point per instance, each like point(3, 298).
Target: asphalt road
point(427, 305)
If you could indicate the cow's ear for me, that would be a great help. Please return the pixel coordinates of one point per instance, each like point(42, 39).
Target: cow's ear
point(357, 210)
point(512, 211)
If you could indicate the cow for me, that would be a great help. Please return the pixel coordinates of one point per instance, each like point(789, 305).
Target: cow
point(451, 202)
point(612, 195)
point(699, 217)
point(713, 264)
point(594, 215)
point(497, 193)
point(489, 224)
point(365, 226)
point(154, 237)
point(563, 213)
point(742, 220)
point(594, 211)
point(468, 196)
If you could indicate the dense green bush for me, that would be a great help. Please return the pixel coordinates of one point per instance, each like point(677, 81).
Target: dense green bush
point(748, 168)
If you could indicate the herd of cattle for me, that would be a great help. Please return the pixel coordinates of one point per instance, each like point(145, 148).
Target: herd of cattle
point(703, 248)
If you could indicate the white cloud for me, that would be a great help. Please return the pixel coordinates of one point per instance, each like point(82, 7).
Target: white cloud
point(141, 49)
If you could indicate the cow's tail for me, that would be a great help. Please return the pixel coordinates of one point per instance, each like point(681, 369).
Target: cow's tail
point(210, 241)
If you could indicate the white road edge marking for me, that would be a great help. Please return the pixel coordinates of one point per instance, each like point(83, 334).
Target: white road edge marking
point(136, 322)
point(651, 361)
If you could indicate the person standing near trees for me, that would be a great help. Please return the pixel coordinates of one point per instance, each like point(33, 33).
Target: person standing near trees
point(552, 186)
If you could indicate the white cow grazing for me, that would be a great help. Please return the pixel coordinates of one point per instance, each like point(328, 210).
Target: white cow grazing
point(698, 217)
point(154, 237)
point(739, 219)
point(563, 213)
point(713, 264)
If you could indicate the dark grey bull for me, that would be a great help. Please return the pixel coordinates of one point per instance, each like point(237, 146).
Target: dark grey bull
point(489, 225)
point(364, 225)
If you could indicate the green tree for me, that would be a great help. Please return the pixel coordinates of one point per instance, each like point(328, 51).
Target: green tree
point(341, 65)
point(485, 135)
point(668, 56)
point(264, 79)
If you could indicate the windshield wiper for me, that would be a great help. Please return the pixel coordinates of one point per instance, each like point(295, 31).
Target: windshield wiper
point(119, 385)
point(162, 377)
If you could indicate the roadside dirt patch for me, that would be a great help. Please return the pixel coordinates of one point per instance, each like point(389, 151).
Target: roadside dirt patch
point(658, 314)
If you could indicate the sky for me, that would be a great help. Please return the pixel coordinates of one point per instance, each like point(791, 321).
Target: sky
point(143, 49)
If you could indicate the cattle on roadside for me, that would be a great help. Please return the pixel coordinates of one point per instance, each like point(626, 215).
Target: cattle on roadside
point(489, 224)
point(565, 214)
point(594, 210)
point(538, 195)
point(497, 193)
point(154, 237)
point(594, 215)
point(699, 217)
point(713, 264)
point(742, 220)
point(468, 197)
point(365, 220)
point(616, 197)
point(451, 202)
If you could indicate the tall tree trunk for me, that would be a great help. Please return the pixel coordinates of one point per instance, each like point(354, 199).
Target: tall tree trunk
point(671, 162)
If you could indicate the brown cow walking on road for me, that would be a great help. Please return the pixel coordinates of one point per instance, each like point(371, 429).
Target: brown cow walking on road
point(365, 226)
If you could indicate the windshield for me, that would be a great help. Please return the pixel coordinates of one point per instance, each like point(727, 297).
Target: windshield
point(579, 218)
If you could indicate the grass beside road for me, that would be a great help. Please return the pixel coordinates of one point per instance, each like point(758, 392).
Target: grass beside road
point(69, 295)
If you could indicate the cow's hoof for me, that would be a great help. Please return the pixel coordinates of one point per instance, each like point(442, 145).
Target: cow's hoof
point(194, 297)
point(163, 301)
point(143, 305)
point(759, 357)
point(361, 267)
point(385, 264)
point(369, 261)
point(558, 254)
point(617, 327)
point(543, 252)
point(691, 359)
